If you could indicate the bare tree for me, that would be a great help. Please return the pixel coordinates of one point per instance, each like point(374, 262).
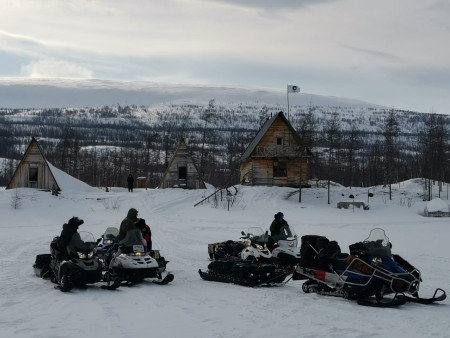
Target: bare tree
point(333, 137)
point(390, 132)
point(433, 140)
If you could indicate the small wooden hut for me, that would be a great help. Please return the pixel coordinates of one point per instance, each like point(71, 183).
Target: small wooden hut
point(275, 157)
point(181, 171)
point(34, 171)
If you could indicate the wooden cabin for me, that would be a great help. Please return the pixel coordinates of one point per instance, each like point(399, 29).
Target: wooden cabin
point(34, 171)
point(181, 171)
point(275, 157)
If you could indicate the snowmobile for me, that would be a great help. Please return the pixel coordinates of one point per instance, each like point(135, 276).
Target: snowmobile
point(286, 252)
point(132, 263)
point(74, 268)
point(247, 262)
point(368, 274)
point(254, 243)
point(107, 244)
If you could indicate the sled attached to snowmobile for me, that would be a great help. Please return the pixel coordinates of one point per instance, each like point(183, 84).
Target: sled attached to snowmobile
point(237, 271)
point(368, 274)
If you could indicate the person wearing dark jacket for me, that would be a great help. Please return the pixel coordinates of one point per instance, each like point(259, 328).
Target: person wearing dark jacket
point(70, 244)
point(70, 238)
point(275, 229)
point(130, 181)
point(277, 224)
point(146, 233)
point(128, 223)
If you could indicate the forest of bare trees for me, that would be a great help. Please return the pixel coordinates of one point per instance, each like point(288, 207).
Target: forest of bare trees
point(102, 145)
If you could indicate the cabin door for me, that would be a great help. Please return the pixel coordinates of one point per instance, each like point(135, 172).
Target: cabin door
point(33, 178)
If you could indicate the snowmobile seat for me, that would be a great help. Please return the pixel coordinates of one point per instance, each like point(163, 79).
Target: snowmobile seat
point(338, 261)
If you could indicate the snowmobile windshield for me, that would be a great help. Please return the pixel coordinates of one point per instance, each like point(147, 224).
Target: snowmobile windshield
point(132, 237)
point(286, 233)
point(257, 235)
point(87, 237)
point(111, 232)
point(377, 243)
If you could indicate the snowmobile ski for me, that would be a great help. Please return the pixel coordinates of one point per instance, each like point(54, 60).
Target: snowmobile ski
point(433, 299)
point(166, 280)
point(394, 302)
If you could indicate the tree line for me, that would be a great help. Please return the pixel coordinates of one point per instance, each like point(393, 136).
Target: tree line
point(102, 145)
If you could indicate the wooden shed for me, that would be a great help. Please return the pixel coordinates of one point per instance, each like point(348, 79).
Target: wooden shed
point(275, 157)
point(181, 171)
point(34, 171)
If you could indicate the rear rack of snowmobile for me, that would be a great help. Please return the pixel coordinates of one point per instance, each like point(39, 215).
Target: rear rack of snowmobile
point(358, 268)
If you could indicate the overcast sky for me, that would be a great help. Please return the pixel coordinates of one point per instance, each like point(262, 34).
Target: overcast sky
point(390, 52)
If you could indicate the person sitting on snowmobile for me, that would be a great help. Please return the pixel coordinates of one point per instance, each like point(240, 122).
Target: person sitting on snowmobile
point(275, 229)
point(70, 238)
point(146, 233)
point(128, 223)
point(70, 243)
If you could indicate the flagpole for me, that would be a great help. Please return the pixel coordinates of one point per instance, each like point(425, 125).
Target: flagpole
point(287, 96)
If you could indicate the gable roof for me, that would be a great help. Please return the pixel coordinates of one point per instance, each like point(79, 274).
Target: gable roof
point(180, 148)
point(62, 180)
point(266, 126)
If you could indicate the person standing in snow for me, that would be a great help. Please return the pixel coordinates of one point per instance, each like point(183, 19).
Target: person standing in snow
point(130, 181)
point(128, 223)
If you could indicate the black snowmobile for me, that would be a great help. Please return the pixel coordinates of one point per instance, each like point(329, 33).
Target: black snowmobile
point(368, 274)
point(71, 269)
point(247, 262)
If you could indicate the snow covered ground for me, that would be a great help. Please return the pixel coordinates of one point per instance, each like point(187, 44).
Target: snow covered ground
point(192, 307)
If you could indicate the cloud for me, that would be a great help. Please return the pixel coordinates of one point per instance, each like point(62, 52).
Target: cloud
point(273, 4)
point(51, 68)
point(377, 54)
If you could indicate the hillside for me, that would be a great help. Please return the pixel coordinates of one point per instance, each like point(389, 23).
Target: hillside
point(137, 126)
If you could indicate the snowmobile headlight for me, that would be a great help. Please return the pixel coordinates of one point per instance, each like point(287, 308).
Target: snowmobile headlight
point(84, 255)
point(107, 241)
point(291, 244)
point(377, 260)
point(137, 253)
point(259, 247)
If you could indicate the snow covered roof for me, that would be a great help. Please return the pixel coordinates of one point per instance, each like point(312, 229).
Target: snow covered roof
point(67, 182)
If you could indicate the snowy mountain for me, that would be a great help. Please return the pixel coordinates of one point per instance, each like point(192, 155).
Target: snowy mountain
point(192, 307)
point(59, 93)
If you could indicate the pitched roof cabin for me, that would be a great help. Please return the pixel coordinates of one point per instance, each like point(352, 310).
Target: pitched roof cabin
point(34, 171)
point(181, 171)
point(275, 157)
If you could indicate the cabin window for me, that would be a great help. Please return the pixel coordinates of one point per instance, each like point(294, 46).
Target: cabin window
point(279, 169)
point(33, 178)
point(182, 173)
point(279, 141)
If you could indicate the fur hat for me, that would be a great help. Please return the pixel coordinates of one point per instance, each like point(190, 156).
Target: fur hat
point(75, 222)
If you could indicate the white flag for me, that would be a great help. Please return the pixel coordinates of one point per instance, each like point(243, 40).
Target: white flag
point(293, 89)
